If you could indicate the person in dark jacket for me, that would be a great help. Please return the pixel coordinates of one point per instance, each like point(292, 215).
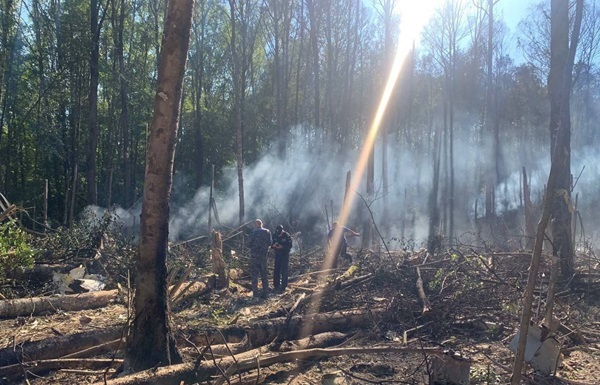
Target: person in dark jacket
point(260, 241)
point(282, 244)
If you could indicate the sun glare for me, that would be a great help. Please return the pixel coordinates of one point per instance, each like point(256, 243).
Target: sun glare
point(414, 15)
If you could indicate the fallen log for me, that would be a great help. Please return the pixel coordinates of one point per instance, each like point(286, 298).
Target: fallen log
point(258, 334)
point(57, 347)
point(107, 347)
point(206, 370)
point(15, 371)
point(263, 332)
point(192, 289)
point(317, 341)
point(11, 308)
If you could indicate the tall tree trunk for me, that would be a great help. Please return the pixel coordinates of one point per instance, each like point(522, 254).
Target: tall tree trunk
point(562, 56)
point(124, 116)
point(5, 47)
point(237, 107)
point(151, 342)
point(92, 188)
point(386, 124)
point(491, 176)
point(281, 14)
point(197, 91)
point(314, 41)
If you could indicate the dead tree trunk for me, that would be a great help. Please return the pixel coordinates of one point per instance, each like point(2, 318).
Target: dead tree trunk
point(218, 264)
point(528, 209)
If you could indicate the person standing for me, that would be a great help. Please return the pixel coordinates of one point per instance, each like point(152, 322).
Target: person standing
point(260, 241)
point(339, 232)
point(282, 244)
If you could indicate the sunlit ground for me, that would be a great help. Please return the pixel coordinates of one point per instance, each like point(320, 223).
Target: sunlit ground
point(414, 16)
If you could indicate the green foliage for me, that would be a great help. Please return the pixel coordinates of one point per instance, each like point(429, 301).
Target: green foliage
point(457, 281)
point(80, 241)
point(15, 251)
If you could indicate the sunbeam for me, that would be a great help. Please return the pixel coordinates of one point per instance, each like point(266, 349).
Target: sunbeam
point(414, 17)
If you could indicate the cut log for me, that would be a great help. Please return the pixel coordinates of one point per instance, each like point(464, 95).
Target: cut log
point(258, 334)
point(263, 332)
point(192, 289)
point(317, 341)
point(57, 347)
point(206, 370)
point(173, 290)
point(12, 308)
point(107, 347)
point(16, 370)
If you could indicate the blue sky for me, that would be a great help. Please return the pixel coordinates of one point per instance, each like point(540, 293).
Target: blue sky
point(514, 11)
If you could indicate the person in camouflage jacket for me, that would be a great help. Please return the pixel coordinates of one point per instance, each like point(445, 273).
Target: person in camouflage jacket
point(260, 242)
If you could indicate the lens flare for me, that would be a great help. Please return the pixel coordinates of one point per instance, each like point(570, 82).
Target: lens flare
point(414, 17)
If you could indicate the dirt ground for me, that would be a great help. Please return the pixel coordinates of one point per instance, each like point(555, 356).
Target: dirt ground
point(472, 307)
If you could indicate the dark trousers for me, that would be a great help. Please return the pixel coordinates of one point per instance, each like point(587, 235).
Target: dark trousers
point(280, 273)
point(258, 266)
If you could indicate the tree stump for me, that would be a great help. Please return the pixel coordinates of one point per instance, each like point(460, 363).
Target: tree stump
point(218, 264)
point(450, 369)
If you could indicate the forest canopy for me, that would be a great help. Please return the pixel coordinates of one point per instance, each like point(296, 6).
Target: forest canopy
point(290, 100)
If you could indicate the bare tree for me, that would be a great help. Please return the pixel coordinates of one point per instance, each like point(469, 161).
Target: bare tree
point(96, 21)
point(244, 22)
point(562, 57)
point(443, 36)
point(313, 16)
point(281, 12)
point(557, 196)
point(151, 342)
point(124, 115)
point(388, 7)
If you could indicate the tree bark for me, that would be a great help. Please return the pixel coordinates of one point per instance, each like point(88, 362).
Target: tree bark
point(151, 341)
